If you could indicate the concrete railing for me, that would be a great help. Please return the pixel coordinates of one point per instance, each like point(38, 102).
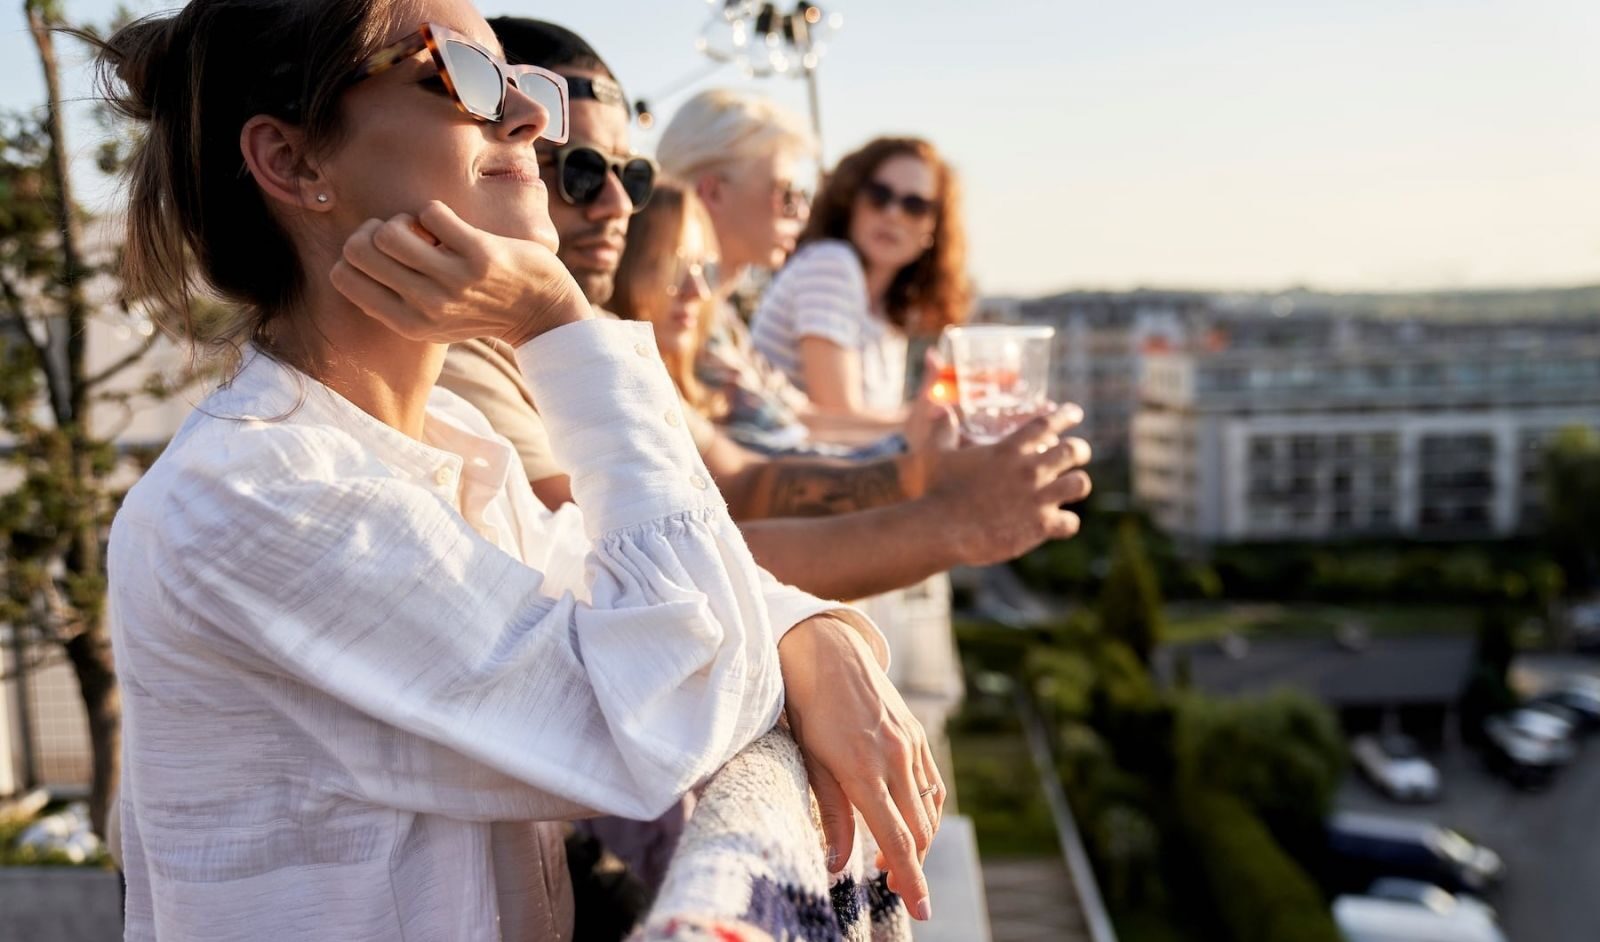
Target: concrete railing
point(1096, 919)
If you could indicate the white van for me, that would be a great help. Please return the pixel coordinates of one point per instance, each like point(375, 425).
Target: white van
point(1370, 919)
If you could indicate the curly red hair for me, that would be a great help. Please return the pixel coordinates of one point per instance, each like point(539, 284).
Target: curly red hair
point(932, 292)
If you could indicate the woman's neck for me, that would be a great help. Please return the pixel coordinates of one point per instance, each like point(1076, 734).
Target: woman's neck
point(879, 280)
point(382, 373)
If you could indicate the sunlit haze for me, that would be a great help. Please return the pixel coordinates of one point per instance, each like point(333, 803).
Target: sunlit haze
point(1360, 144)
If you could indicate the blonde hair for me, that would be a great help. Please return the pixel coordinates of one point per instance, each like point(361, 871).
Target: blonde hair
point(721, 125)
point(644, 276)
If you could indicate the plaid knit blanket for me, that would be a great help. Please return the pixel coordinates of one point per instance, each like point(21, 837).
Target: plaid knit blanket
point(749, 867)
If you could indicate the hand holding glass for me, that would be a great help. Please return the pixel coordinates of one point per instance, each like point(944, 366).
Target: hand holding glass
point(1002, 375)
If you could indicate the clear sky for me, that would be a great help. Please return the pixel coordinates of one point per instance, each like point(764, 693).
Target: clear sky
point(1342, 144)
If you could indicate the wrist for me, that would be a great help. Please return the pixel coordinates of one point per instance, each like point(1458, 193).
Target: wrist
point(569, 310)
point(913, 470)
point(954, 531)
point(826, 637)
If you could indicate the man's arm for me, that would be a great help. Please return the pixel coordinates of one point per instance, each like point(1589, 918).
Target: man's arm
point(988, 505)
point(854, 555)
point(981, 506)
point(757, 487)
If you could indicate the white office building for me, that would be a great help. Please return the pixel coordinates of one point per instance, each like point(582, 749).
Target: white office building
point(1434, 440)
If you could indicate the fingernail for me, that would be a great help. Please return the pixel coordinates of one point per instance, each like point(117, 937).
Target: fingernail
point(833, 860)
point(925, 909)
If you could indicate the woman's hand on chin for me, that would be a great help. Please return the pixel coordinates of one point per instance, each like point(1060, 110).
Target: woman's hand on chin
point(433, 277)
point(862, 749)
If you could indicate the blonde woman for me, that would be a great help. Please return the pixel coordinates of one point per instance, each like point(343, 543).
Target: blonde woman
point(748, 160)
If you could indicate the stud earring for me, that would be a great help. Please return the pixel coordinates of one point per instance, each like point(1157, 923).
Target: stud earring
point(322, 197)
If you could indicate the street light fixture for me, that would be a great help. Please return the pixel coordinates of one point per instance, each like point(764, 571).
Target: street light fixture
point(761, 41)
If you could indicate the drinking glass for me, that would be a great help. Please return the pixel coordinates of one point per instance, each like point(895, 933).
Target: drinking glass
point(1002, 374)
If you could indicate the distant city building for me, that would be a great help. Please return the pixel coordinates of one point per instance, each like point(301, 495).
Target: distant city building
point(1100, 341)
point(1383, 429)
point(1103, 338)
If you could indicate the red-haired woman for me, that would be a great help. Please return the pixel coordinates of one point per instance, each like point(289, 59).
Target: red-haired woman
point(882, 256)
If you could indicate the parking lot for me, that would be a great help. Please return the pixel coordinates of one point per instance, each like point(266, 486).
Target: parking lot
point(1549, 839)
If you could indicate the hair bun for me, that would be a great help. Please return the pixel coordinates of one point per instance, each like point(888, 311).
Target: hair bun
point(133, 65)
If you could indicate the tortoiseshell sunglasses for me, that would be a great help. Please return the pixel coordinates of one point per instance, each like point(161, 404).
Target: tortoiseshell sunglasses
point(476, 78)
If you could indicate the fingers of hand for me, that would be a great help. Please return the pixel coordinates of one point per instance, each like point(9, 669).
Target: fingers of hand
point(906, 785)
point(403, 239)
point(838, 818)
point(1047, 428)
point(362, 252)
point(1070, 488)
point(897, 845)
point(1061, 525)
point(368, 294)
point(1065, 455)
point(934, 781)
point(451, 230)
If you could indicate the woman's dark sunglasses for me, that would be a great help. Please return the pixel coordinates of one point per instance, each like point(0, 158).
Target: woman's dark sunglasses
point(880, 195)
point(475, 78)
point(581, 175)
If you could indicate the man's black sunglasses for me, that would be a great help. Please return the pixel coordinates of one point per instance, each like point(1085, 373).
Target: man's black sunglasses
point(581, 175)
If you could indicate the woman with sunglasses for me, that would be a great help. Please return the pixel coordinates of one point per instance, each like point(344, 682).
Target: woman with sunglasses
point(668, 278)
point(883, 254)
point(360, 665)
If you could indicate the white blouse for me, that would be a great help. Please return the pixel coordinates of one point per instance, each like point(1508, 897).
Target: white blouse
point(352, 663)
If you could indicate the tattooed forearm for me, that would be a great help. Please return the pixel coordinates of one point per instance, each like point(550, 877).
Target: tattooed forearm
point(815, 489)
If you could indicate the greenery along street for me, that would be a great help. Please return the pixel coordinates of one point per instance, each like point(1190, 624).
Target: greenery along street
point(1203, 816)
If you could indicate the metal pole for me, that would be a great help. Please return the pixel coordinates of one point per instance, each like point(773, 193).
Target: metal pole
point(816, 108)
point(19, 667)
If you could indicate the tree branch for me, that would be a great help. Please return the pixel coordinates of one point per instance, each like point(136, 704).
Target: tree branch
point(110, 372)
point(14, 311)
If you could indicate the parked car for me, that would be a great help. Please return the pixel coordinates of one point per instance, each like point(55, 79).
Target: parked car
point(1395, 766)
point(1370, 919)
point(1579, 696)
point(1363, 848)
point(1427, 895)
point(1528, 745)
point(1585, 621)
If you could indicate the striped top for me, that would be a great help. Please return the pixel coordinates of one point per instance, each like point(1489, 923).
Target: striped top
point(822, 292)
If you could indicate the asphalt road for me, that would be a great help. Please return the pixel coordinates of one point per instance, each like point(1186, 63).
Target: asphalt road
point(1549, 838)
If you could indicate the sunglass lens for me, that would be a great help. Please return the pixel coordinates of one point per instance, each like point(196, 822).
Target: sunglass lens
point(544, 90)
point(877, 194)
point(583, 175)
point(916, 207)
point(477, 80)
point(639, 181)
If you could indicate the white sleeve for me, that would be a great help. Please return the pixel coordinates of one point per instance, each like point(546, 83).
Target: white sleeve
point(475, 692)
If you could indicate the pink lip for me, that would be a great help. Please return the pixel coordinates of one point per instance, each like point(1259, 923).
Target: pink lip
point(524, 174)
point(601, 249)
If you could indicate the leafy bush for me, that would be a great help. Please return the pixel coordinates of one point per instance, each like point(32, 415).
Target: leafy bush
point(1260, 894)
point(1282, 754)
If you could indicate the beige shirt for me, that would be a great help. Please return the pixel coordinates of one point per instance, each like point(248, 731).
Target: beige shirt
point(485, 373)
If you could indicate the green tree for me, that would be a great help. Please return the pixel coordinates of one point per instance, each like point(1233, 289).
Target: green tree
point(60, 498)
point(1282, 754)
point(1572, 505)
point(1130, 601)
point(1489, 689)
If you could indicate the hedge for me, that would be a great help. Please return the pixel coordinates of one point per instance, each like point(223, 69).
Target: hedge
point(1260, 894)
